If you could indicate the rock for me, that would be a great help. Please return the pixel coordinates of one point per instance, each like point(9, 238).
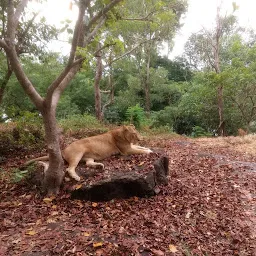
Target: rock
point(126, 184)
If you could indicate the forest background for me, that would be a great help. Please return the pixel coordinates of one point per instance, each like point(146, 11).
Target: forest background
point(129, 81)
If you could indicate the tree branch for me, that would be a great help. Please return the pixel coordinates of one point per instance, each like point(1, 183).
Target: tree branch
point(103, 12)
point(77, 31)
point(107, 91)
point(128, 52)
point(10, 22)
point(95, 30)
point(62, 86)
point(23, 79)
point(102, 48)
point(140, 19)
point(70, 68)
point(12, 54)
point(18, 12)
point(30, 23)
point(76, 37)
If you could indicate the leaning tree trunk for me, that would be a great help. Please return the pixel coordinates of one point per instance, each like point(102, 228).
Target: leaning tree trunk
point(54, 174)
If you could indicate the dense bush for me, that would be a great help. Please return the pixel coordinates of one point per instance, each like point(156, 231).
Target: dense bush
point(29, 129)
point(165, 117)
point(198, 131)
point(77, 122)
point(24, 132)
point(135, 115)
point(184, 124)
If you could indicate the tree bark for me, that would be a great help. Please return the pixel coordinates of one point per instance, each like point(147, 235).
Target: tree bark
point(54, 174)
point(4, 83)
point(97, 93)
point(110, 92)
point(221, 128)
point(147, 84)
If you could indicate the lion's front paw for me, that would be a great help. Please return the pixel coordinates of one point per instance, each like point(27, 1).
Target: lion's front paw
point(148, 151)
point(100, 166)
point(73, 175)
point(77, 178)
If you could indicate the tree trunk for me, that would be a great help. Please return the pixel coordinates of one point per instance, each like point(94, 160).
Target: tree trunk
point(97, 94)
point(4, 84)
point(147, 86)
point(54, 174)
point(111, 94)
point(221, 128)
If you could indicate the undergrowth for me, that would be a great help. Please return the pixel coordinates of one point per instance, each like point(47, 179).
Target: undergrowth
point(27, 132)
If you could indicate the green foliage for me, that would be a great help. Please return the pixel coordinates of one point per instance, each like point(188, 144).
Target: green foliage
point(15, 100)
point(198, 131)
point(25, 132)
point(32, 34)
point(67, 107)
point(113, 115)
point(184, 123)
point(165, 117)
point(163, 129)
point(81, 93)
point(28, 131)
point(180, 100)
point(178, 69)
point(78, 122)
point(116, 44)
point(135, 115)
point(18, 175)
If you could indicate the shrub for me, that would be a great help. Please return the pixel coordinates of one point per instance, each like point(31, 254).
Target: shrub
point(18, 175)
point(25, 131)
point(112, 115)
point(184, 124)
point(164, 117)
point(29, 130)
point(135, 115)
point(77, 122)
point(198, 131)
point(82, 126)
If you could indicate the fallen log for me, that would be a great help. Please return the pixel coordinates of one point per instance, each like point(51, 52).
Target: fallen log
point(140, 179)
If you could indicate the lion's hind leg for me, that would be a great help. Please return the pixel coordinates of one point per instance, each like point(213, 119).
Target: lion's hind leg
point(90, 162)
point(72, 164)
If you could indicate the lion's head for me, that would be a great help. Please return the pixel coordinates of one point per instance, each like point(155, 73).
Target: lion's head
point(131, 134)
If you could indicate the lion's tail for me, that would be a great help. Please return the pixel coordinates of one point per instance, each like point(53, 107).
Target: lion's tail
point(42, 158)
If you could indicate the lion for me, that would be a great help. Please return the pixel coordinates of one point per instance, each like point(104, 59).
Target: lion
point(121, 141)
point(241, 132)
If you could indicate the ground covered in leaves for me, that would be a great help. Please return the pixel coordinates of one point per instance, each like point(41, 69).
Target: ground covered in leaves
point(208, 208)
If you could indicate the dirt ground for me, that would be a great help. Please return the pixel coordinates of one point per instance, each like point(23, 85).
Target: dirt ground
point(207, 208)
